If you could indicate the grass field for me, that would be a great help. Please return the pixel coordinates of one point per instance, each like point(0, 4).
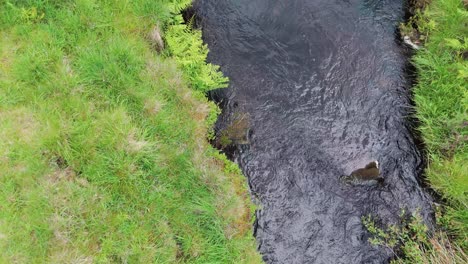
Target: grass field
point(104, 157)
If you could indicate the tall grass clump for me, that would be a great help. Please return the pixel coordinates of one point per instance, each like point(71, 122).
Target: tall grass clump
point(104, 156)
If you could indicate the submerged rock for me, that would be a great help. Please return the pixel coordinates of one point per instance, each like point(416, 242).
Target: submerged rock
point(235, 131)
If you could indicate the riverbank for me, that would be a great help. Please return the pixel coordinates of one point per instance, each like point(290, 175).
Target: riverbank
point(438, 31)
point(442, 107)
point(104, 155)
point(441, 102)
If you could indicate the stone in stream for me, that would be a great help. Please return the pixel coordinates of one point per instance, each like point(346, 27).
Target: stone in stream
point(369, 175)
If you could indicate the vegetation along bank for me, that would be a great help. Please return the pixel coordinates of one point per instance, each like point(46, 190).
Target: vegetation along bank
point(441, 98)
point(104, 123)
point(439, 29)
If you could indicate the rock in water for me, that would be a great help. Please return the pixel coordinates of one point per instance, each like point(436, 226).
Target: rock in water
point(369, 175)
point(407, 40)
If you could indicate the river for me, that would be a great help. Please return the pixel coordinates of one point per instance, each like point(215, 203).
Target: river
point(323, 87)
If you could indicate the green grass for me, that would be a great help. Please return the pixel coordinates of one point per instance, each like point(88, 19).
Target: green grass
point(103, 156)
point(441, 98)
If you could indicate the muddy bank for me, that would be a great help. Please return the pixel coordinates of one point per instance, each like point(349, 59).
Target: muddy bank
point(324, 88)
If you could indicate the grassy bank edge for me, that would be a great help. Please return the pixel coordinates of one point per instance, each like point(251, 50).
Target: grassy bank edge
point(441, 104)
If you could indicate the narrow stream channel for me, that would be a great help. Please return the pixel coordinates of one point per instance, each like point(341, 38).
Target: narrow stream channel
point(322, 86)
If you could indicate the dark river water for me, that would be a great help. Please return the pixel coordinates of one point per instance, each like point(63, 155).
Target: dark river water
point(323, 86)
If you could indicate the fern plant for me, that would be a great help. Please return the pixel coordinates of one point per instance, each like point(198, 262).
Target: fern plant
point(186, 46)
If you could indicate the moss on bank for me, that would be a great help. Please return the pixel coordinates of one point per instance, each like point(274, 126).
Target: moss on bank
point(103, 154)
